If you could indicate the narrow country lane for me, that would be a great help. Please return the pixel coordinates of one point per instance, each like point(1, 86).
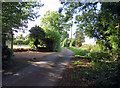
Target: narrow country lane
point(42, 73)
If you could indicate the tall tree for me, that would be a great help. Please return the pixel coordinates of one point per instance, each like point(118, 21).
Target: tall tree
point(14, 14)
point(102, 24)
point(52, 40)
point(55, 21)
point(37, 33)
point(79, 36)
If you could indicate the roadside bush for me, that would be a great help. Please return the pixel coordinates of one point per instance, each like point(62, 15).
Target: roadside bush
point(6, 57)
point(95, 48)
point(66, 43)
point(52, 40)
point(78, 51)
point(103, 72)
point(31, 43)
point(73, 42)
point(87, 47)
point(36, 34)
point(106, 74)
point(96, 53)
point(15, 41)
point(20, 42)
point(26, 42)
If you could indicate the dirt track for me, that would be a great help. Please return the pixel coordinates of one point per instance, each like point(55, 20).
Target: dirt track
point(41, 73)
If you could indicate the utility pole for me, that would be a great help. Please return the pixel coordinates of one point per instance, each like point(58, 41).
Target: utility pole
point(71, 37)
point(71, 34)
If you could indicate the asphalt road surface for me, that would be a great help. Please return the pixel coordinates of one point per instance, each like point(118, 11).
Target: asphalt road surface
point(41, 73)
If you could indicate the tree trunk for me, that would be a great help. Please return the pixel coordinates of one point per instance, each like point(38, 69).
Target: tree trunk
point(36, 43)
point(12, 41)
point(3, 40)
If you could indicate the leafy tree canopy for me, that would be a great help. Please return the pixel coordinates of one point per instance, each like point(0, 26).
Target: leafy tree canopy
point(102, 24)
point(80, 38)
point(52, 39)
point(55, 21)
point(36, 34)
point(14, 14)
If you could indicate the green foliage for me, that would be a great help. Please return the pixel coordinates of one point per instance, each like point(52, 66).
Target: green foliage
point(36, 34)
point(26, 42)
point(55, 29)
point(64, 36)
point(78, 51)
point(53, 39)
point(15, 15)
point(103, 72)
point(95, 48)
point(21, 41)
point(93, 52)
point(73, 42)
point(105, 27)
point(15, 41)
point(79, 36)
point(20, 37)
point(66, 42)
point(6, 57)
point(101, 75)
point(48, 38)
point(55, 21)
point(31, 43)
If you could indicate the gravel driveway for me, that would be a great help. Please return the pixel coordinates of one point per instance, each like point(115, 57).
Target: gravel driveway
point(41, 73)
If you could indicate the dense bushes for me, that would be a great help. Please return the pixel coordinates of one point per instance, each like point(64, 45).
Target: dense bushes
point(67, 42)
point(21, 42)
point(102, 75)
point(52, 40)
point(94, 52)
point(36, 33)
point(78, 51)
point(104, 71)
point(6, 57)
point(49, 39)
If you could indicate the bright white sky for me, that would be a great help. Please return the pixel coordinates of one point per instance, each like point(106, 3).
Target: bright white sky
point(52, 5)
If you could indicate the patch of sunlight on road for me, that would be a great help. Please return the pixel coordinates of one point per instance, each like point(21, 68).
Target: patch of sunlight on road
point(52, 74)
point(64, 63)
point(61, 56)
point(43, 64)
point(17, 74)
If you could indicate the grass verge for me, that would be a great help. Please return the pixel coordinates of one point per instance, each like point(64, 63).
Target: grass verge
point(87, 73)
